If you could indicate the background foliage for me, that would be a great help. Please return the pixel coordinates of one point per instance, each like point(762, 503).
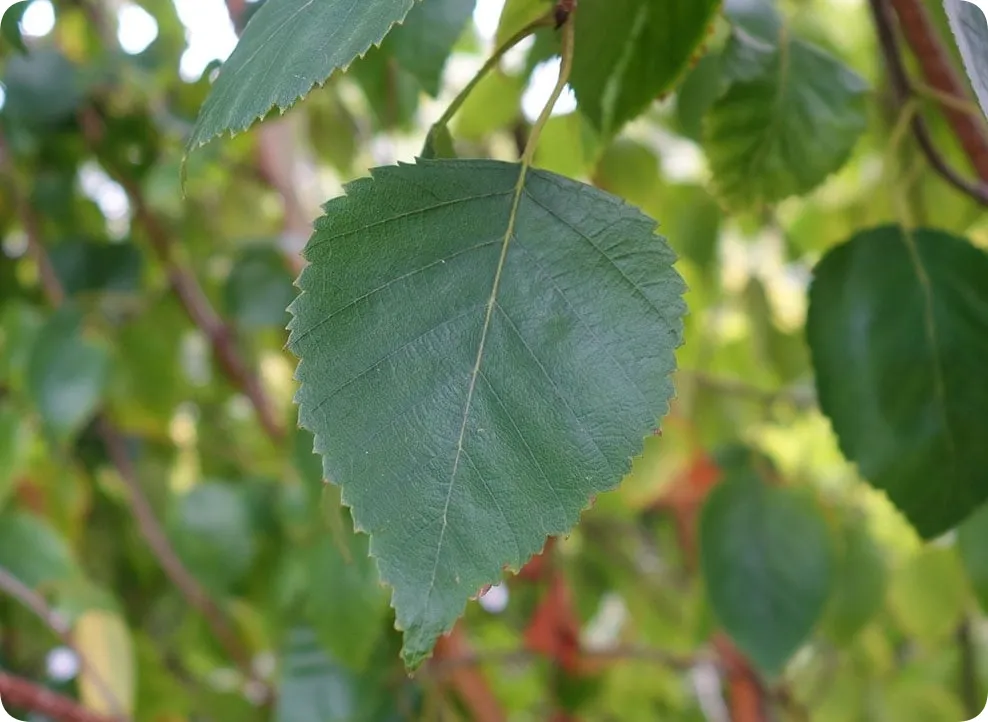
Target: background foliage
point(803, 536)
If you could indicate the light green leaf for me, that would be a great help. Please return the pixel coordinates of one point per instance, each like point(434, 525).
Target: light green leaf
point(898, 333)
point(493, 104)
point(288, 47)
point(67, 374)
point(103, 639)
point(478, 358)
point(628, 52)
point(567, 145)
point(629, 169)
point(968, 24)
point(347, 602)
point(861, 583)
point(516, 14)
point(50, 559)
point(928, 594)
point(423, 42)
point(790, 117)
point(768, 565)
point(972, 544)
point(15, 441)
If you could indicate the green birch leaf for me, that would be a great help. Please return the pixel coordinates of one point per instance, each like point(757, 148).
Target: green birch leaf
point(479, 357)
point(768, 565)
point(629, 52)
point(790, 117)
point(288, 47)
point(968, 23)
point(898, 333)
point(424, 41)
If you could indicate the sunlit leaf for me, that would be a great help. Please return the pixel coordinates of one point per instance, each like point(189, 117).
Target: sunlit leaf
point(898, 331)
point(104, 640)
point(478, 358)
point(928, 594)
point(968, 24)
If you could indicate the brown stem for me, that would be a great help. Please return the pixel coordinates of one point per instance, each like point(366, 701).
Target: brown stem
point(902, 87)
point(941, 75)
point(16, 589)
point(468, 683)
point(188, 291)
point(23, 693)
point(148, 524)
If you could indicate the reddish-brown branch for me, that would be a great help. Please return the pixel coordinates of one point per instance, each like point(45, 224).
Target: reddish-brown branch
point(25, 694)
point(941, 75)
point(188, 291)
point(466, 680)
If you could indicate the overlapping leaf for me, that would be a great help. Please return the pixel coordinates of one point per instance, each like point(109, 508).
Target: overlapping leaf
point(288, 47)
point(628, 52)
point(478, 358)
point(789, 118)
point(898, 331)
point(970, 27)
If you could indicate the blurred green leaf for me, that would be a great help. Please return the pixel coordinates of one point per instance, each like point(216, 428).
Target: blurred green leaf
point(259, 289)
point(15, 441)
point(928, 594)
point(492, 105)
point(104, 641)
point(67, 374)
point(896, 326)
point(424, 40)
point(42, 89)
point(567, 146)
point(10, 24)
point(33, 551)
point(768, 564)
point(972, 544)
point(84, 266)
point(790, 117)
point(629, 52)
point(861, 582)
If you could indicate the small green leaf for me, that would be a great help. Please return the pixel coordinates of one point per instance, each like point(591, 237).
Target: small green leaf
point(479, 357)
point(288, 47)
point(968, 24)
point(790, 117)
point(347, 602)
point(972, 544)
point(567, 146)
point(423, 42)
point(438, 143)
point(213, 534)
point(628, 52)
point(928, 594)
point(516, 14)
point(67, 374)
point(492, 105)
point(10, 24)
point(861, 582)
point(897, 328)
point(768, 565)
point(259, 289)
point(84, 266)
point(49, 560)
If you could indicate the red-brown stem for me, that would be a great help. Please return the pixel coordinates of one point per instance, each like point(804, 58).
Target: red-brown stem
point(23, 693)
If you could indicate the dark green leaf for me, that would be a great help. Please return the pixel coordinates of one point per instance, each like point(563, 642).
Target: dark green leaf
point(898, 333)
point(10, 24)
point(698, 91)
point(628, 52)
point(15, 439)
point(470, 394)
point(438, 143)
point(84, 266)
point(67, 374)
point(391, 91)
point(423, 42)
point(972, 544)
point(288, 47)
point(789, 118)
point(43, 88)
point(768, 565)
point(259, 289)
point(968, 23)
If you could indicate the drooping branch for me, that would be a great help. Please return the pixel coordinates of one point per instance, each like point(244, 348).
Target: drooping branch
point(969, 135)
point(16, 589)
point(147, 523)
point(23, 693)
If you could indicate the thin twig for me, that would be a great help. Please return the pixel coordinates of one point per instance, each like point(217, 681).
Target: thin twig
point(148, 524)
point(187, 289)
point(940, 74)
point(903, 89)
point(23, 693)
point(16, 589)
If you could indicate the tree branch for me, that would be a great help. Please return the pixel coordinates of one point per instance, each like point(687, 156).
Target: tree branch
point(187, 289)
point(941, 76)
point(23, 693)
point(903, 89)
point(148, 524)
point(16, 589)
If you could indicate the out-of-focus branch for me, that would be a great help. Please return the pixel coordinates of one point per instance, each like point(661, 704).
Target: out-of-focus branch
point(965, 128)
point(465, 679)
point(23, 693)
point(16, 589)
point(942, 76)
point(148, 524)
point(188, 291)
